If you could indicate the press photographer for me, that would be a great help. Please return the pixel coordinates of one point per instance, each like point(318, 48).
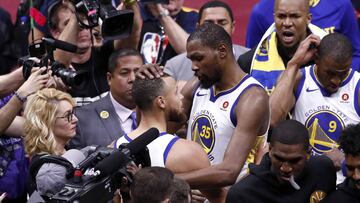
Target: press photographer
point(43, 50)
point(66, 22)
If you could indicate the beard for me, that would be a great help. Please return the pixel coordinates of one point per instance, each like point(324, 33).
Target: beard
point(207, 82)
point(176, 115)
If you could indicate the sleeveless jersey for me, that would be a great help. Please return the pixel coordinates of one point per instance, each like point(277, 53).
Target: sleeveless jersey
point(213, 120)
point(158, 149)
point(325, 115)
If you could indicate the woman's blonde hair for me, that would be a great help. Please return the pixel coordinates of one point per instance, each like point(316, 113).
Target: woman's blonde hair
point(40, 112)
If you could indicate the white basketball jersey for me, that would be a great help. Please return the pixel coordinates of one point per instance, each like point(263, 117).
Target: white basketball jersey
point(158, 149)
point(213, 120)
point(325, 115)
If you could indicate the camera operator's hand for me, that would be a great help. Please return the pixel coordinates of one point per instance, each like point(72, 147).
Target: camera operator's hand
point(35, 82)
point(150, 71)
point(156, 9)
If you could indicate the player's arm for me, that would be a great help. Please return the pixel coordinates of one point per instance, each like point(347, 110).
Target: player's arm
point(252, 113)
point(282, 99)
point(193, 158)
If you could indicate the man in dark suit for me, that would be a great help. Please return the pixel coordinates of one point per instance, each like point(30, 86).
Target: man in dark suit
point(109, 118)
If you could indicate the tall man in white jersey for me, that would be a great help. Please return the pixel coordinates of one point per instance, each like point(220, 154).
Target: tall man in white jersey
point(159, 101)
point(325, 96)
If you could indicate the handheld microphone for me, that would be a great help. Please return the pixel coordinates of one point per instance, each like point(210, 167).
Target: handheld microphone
point(120, 158)
point(58, 44)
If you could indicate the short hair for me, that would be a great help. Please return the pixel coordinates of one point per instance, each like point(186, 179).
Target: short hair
point(144, 91)
point(40, 119)
point(151, 185)
point(211, 35)
point(337, 46)
point(180, 191)
point(350, 140)
point(213, 4)
point(121, 53)
point(290, 132)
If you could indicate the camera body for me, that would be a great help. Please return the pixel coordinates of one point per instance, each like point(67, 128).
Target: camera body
point(115, 24)
point(94, 187)
point(44, 53)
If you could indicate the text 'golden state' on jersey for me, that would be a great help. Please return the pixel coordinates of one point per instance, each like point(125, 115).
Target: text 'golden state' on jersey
point(326, 115)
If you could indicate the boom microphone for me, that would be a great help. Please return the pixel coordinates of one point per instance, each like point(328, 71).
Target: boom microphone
point(58, 44)
point(120, 158)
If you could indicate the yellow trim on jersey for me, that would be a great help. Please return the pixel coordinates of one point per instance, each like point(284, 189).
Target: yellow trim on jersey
point(188, 9)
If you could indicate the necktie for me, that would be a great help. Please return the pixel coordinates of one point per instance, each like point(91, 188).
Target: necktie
point(133, 119)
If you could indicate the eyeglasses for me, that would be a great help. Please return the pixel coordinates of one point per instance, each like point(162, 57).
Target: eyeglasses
point(69, 115)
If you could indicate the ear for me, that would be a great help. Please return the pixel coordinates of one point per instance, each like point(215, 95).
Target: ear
point(108, 76)
point(161, 102)
point(233, 27)
point(309, 18)
point(222, 49)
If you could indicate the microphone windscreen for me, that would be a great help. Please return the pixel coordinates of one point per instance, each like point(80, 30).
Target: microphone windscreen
point(112, 163)
point(118, 159)
point(144, 139)
point(74, 156)
point(60, 44)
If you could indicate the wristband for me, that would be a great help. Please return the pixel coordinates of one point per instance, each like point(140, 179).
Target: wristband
point(21, 98)
point(163, 13)
point(129, 2)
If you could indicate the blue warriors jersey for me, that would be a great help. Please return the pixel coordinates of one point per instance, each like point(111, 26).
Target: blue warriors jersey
point(330, 15)
point(213, 120)
point(325, 115)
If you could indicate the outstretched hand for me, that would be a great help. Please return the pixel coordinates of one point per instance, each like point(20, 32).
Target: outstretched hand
point(150, 71)
point(306, 50)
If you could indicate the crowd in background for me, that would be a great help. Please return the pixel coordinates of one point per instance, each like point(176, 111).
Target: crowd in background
point(274, 120)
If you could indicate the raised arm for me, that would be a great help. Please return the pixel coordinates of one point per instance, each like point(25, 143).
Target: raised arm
point(177, 35)
point(133, 40)
point(252, 113)
point(282, 99)
point(9, 112)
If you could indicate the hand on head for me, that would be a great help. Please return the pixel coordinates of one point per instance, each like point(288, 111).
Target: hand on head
point(150, 71)
point(306, 50)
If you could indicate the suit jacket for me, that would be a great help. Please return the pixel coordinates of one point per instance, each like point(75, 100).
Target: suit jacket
point(98, 124)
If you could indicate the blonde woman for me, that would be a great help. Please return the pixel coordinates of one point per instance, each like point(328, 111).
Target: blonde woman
point(50, 123)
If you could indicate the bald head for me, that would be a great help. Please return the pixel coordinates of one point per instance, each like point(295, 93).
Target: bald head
point(303, 5)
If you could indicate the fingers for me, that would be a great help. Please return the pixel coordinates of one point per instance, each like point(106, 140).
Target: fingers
point(150, 71)
point(2, 197)
point(197, 196)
